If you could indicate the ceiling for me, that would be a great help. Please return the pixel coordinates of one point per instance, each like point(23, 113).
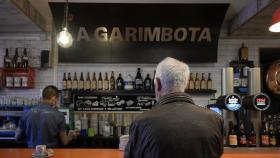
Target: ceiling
point(255, 25)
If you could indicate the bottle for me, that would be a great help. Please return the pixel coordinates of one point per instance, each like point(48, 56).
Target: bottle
point(264, 137)
point(64, 81)
point(120, 83)
point(147, 83)
point(232, 136)
point(209, 82)
point(191, 82)
point(7, 59)
point(138, 80)
point(93, 84)
point(203, 84)
point(252, 137)
point(106, 82)
point(87, 83)
point(243, 53)
point(112, 81)
point(196, 82)
point(81, 82)
point(75, 82)
point(242, 139)
point(272, 136)
point(100, 82)
point(69, 81)
point(17, 59)
point(25, 59)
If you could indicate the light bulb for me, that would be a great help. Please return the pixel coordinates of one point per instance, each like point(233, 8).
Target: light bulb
point(64, 38)
point(275, 27)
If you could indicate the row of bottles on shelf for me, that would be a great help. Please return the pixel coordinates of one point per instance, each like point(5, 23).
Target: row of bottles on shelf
point(269, 134)
point(107, 125)
point(200, 83)
point(16, 81)
point(15, 102)
point(91, 83)
point(18, 61)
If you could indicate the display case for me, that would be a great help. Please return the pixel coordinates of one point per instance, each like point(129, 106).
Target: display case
point(18, 77)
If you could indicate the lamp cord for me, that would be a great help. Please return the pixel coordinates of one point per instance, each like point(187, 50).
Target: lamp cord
point(66, 14)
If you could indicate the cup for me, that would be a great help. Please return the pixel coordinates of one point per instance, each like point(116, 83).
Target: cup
point(41, 149)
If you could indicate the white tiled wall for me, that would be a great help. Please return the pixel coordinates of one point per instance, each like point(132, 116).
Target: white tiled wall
point(227, 51)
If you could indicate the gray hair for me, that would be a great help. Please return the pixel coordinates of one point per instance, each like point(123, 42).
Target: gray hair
point(173, 74)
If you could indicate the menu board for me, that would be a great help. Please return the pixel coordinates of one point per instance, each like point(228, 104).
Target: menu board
point(113, 103)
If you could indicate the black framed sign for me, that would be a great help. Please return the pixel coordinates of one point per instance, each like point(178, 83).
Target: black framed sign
point(140, 33)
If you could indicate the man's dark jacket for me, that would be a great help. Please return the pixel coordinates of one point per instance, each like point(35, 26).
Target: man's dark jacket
point(176, 128)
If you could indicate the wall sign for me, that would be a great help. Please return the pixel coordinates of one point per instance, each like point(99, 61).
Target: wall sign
point(113, 103)
point(140, 33)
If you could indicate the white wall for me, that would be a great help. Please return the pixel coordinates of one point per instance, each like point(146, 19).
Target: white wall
point(227, 51)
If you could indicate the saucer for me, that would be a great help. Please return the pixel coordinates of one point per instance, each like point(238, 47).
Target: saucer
point(48, 154)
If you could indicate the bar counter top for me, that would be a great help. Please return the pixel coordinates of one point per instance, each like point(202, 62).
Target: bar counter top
point(114, 153)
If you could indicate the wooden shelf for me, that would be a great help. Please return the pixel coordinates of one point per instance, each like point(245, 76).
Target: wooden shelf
point(201, 91)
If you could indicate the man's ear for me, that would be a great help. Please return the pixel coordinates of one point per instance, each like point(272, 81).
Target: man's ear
point(159, 86)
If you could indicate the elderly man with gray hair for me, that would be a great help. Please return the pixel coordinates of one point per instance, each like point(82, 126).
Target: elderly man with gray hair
point(175, 127)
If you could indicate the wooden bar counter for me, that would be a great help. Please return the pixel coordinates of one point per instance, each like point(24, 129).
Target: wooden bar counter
point(114, 153)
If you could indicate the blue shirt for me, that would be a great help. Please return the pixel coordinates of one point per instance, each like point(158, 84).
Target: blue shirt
point(41, 125)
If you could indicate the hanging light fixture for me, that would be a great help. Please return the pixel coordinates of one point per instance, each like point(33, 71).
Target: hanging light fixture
point(64, 38)
point(275, 24)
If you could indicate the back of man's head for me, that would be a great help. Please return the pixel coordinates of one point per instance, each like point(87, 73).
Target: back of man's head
point(173, 74)
point(49, 92)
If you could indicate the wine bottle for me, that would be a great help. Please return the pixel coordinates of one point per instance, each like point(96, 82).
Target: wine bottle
point(147, 83)
point(75, 82)
point(112, 81)
point(252, 137)
point(81, 82)
point(191, 82)
point(242, 139)
point(93, 84)
point(203, 84)
point(120, 82)
point(264, 137)
point(196, 82)
point(209, 82)
point(100, 82)
point(106, 82)
point(7, 59)
point(69, 81)
point(243, 53)
point(138, 80)
point(272, 136)
point(87, 83)
point(25, 59)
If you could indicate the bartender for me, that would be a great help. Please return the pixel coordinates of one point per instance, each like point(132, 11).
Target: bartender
point(44, 124)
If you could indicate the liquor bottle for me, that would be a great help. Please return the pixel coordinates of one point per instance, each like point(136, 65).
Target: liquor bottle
point(209, 82)
point(93, 84)
point(191, 82)
point(75, 82)
point(106, 82)
point(232, 136)
point(69, 81)
point(81, 82)
point(153, 81)
point(138, 80)
point(203, 84)
point(196, 82)
point(112, 81)
point(252, 137)
point(87, 83)
point(64, 81)
point(147, 83)
point(120, 83)
point(264, 137)
point(24, 59)
point(7, 59)
point(242, 139)
point(243, 53)
point(100, 82)
point(17, 60)
point(272, 136)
